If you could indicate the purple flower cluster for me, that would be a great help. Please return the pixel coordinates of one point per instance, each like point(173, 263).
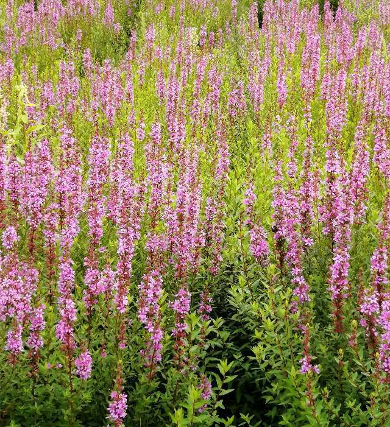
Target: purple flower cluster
point(258, 245)
point(84, 365)
point(117, 407)
point(149, 314)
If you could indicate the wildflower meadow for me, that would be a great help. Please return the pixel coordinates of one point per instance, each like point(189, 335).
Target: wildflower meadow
point(194, 213)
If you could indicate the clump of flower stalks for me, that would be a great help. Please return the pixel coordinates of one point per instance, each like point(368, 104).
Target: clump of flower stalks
point(194, 213)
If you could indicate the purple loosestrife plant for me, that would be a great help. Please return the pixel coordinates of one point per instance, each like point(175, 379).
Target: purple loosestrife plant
point(118, 401)
point(83, 365)
point(147, 151)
